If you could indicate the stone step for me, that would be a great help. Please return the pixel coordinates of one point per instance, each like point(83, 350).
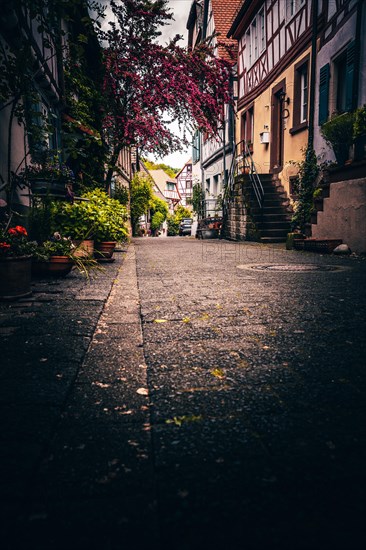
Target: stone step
point(274, 233)
point(266, 225)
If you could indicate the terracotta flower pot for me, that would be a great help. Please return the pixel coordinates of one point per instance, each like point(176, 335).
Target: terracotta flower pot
point(57, 266)
point(85, 249)
point(15, 277)
point(104, 250)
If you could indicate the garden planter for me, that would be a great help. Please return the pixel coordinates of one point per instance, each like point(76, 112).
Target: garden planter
point(209, 233)
point(57, 266)
point(104, 250)
point(85, 249)
point(53, 187)
point(15, 277)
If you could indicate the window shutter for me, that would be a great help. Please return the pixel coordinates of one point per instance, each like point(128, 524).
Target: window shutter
point(323, 93)
point(196, 147)
point(350, 69)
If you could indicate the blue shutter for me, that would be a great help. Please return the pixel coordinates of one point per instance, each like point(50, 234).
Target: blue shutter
point(350, 70)
point(323, 93)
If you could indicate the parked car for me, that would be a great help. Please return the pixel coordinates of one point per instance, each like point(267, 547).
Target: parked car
point(185, 226)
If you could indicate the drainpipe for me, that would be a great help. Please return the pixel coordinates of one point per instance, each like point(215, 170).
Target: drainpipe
point(356, 73)
point(313, 75)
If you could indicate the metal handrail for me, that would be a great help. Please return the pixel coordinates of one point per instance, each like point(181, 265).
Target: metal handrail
point(242, 162)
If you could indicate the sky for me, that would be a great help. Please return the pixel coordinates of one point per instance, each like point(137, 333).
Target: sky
point(180, 9)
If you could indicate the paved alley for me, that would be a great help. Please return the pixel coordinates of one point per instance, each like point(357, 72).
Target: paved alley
point(196, 394)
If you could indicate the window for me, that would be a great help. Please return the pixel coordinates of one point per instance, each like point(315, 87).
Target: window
point(293, 6)
point(301, 95)
point(343, 93)
point(170, 186)
point(247, 127)
point(255, 39)
point(188, 183)
point(262, 31)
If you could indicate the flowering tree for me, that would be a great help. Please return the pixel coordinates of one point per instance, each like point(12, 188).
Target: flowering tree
point(147, 85)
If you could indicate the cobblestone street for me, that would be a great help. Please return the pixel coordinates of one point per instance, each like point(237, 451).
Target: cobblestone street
point(196, 394)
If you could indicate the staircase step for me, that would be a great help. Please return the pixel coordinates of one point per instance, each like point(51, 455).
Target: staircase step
point(268, 226)
point(274, 233)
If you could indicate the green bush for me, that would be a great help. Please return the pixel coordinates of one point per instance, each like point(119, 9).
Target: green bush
point(338, 133)
point(97, 217)
point(157, 220)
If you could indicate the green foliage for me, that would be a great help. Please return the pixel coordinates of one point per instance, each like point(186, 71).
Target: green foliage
point(182, 212)
point(122, 195)
point(175, 219)
point(151, 165)
point(158, 205)
point(338, 133)
point(173, 226)
point(359, 126)
point(198, 198)
point(156, 220)
point(141, 195)
point(97, 217)
point(307, 178)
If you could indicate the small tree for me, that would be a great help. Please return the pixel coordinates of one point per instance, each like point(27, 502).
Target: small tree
point(141, 195)
point(148, 85)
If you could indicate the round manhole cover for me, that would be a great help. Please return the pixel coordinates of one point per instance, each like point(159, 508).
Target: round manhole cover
point(299, 268)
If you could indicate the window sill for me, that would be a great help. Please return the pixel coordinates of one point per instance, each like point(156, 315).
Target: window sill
point(299, 128)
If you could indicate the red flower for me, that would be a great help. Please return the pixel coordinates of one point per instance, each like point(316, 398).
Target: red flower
point(4, 246)
point(21, 230)
point(18, 231)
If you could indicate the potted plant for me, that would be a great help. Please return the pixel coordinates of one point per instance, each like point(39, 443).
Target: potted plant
point(109, 223)
point(15, 262)
point(57, 256)
point(50, 177)
point(359, 133)
point(76, 220)
point(338, 133)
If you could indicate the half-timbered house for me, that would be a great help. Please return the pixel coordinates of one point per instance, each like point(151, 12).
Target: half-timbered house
point(274, 71)
point(210, 20)
point(185, 183)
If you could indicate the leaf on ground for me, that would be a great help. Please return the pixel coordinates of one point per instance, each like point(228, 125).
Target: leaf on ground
point(160, 320)
point(186, 320)
point(143, 391)
point(101, 385)
point(204, 317)
point(218, 373)
point(243, 364)
point(179, 420)
point(219, 306)
point(234, 354)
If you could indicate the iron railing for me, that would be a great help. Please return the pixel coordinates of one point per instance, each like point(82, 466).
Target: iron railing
point(242, 163)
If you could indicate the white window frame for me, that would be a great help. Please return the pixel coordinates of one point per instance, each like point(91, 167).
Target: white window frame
point(304, 89)
point(255, 38)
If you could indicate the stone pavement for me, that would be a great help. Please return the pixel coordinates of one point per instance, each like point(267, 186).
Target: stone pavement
point(197, 394)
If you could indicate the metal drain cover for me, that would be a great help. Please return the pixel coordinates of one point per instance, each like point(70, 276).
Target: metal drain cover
point(299, 268)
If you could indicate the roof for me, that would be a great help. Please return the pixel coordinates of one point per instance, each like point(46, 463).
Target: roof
point(181, 170)
point(239, 15)
point(160, 179)
point(224, 12)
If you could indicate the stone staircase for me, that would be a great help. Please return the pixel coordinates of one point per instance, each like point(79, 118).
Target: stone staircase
point(273, 221)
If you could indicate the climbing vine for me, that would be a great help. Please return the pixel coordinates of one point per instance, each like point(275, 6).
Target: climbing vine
point(306, 184)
